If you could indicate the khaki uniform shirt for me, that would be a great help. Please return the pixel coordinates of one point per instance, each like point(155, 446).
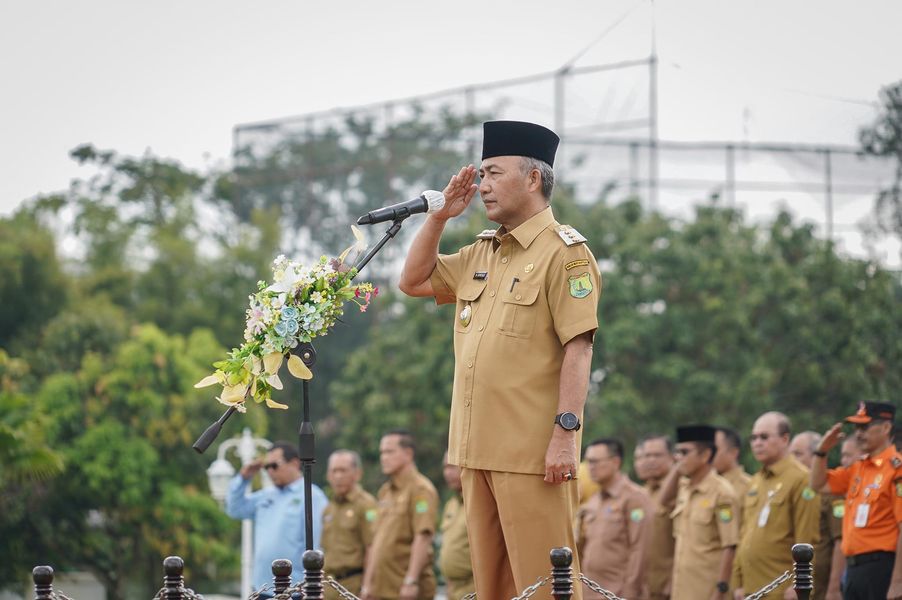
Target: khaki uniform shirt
point(704, 524)
point(454, 557)
point(521, 296)
point(779, 510)
point(660, 553)
point(740, 480)
point(613, 529)
point(832, 510)
point(408, 505)
point(349, 523)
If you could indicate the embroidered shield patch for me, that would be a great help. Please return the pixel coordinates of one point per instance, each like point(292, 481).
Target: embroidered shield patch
point(636, 515)
point(580, 285)
point(725, 514)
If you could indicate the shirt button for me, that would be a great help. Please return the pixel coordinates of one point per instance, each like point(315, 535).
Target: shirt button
point(504, 260)
point(481, 328)
point(519, 297)
point(492, 293)
point(469, 365)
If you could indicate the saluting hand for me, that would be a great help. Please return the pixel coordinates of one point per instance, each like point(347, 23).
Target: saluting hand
point(251, 468)
point(831, 438)
point(458, 193)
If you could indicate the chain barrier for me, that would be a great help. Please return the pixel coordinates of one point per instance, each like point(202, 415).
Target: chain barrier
point(255, 595)
point(786, 576)
point(340, 589)
point(55, 595)
point(532, 589)
point(597, 588)
point(470, 596)
point(185, 592)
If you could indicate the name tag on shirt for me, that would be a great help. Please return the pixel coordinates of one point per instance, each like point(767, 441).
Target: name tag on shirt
point(861, 515)
point(763, 515)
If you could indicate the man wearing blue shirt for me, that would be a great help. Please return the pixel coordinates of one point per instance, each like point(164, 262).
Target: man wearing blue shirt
point(278, 512)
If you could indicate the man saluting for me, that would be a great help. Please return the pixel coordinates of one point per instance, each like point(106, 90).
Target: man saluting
point(526, 298)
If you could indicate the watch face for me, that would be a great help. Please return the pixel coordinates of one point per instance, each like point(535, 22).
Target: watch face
point(569, 420)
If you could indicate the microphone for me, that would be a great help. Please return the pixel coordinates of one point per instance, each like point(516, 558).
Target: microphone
point(429, 201)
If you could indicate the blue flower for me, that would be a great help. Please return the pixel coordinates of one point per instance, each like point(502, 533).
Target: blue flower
point(292, 326)
point(289, 312)
point(281, 328)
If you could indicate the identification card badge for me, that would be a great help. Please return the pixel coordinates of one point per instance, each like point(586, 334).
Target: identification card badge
point(764, 514)
point(861, 515)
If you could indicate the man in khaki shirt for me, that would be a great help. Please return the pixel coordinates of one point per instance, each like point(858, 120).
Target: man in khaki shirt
point(654, 459)
point(614, 525)
point(349, 522)
point(526, 299)
point(780, 509)
point(726, 463)
point(400, 560)
point(454, 557)
point(802, 447)
point(704, 520)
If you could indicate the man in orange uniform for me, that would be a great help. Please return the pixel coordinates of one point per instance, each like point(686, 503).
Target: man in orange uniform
point(873, 511)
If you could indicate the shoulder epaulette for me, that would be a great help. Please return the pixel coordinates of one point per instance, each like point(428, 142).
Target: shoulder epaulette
point(486, 234)
point(570, 236)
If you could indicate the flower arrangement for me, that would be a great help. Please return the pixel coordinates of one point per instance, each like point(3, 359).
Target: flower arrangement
point(301, 304)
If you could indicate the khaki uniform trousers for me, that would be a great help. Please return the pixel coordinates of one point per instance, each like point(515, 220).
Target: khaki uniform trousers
point(458, 588)
point(514, 520)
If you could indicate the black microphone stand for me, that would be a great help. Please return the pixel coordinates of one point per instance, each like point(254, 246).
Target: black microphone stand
point(306, 435)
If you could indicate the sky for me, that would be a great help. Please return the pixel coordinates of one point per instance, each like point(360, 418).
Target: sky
point(175, 77)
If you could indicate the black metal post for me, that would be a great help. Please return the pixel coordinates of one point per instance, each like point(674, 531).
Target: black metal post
point(281, 575)
point(313, 574)
point(43, 582)
point(803, 554)
point(173, 567)
point(561, 573)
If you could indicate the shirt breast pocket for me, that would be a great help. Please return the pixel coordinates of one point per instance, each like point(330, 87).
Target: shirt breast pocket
point(518, 314)
point(467, 305)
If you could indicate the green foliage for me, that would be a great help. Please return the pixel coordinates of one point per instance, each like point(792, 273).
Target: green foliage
point(710, 319)
point(884, 138)
point(32, 285)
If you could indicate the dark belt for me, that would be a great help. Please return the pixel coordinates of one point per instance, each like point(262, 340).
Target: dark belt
point(867, 557)
point(339, 575)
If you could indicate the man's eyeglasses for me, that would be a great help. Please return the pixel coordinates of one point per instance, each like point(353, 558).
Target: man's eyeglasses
point(272, 466)
point(759, 436)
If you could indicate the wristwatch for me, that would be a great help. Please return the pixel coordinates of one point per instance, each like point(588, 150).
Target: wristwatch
point(568, 421)
point(723, 587)
point(411, 581)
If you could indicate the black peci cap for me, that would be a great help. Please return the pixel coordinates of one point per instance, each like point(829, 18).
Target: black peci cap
point(695, 433)
point(519, 138)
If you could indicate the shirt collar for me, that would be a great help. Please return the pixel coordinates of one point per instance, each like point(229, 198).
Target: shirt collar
point(529, 230)
point(882, 457)
point(616, 488)
point(779, 467)
point(351, 496)
point(295, 485)
point(401, 481)
point(706, 483)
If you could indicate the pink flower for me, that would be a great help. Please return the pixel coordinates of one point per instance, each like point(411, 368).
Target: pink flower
point(363, 307)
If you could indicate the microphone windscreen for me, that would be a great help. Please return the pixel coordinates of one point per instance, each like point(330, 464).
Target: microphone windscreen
point(435, 200)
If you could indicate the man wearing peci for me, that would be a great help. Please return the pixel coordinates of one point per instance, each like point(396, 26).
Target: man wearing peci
point(526, 298)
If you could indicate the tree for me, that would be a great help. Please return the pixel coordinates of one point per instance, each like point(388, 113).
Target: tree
point(884, 138)
point(133, 490)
